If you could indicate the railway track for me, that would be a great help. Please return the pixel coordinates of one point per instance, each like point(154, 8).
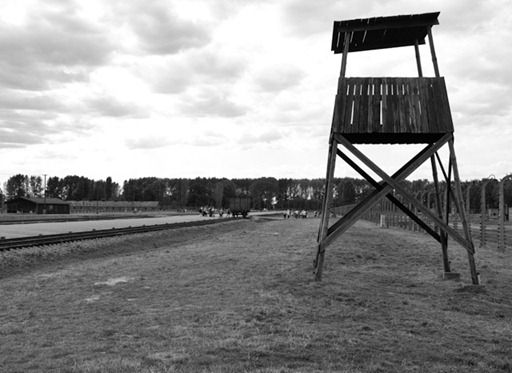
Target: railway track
point(52, 239)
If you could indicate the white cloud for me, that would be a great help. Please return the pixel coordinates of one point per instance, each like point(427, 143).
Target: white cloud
point(198, 67)
point(221, 88)
point(147, 142)
point(279, 77)
point(160, 30)
point(210, 101)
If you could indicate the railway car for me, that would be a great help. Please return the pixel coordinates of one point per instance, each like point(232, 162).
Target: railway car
point(240, 205)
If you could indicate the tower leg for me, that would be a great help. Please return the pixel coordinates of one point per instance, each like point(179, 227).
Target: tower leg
point(327, 201)
point(439, 210)
point(460, 205)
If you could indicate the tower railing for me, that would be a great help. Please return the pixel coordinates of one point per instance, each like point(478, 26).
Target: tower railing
point(369, 105)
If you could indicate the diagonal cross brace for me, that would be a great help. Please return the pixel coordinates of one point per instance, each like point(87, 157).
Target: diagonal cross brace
point(393, 182)
point(351, 217)
point(389, 196)
point(456, 200)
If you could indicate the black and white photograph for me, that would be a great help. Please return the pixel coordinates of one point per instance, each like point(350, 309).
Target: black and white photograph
point(255, 186)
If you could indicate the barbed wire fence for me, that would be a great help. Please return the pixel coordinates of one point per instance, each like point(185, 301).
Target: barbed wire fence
point(490, 228)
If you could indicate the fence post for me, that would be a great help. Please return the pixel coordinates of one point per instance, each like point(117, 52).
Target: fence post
point(501, 216)
point(483, 233)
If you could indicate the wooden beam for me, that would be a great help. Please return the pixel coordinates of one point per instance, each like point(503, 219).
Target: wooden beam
point(324, 225)
point(418, 58)
point(442, 167)
point(389, 196)
point(394, 183)
point(439, 210)
point(447, 177)
point(349, 219)
point(465, 225)
point(433, 52)
point(344, 57)
point(331, 161)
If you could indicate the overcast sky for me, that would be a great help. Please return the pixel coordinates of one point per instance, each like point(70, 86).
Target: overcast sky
point(219, 88)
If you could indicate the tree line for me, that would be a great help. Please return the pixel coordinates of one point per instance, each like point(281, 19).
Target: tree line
point(267, 192)
point(70, 188)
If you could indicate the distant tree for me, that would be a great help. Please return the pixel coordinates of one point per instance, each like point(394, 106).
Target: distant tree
point(54, 187)
point(491, 194)
point(346, 192)
point(182, 191)
point(283, 196)
point(156, 190)
point(36, 186)
point(218, 193)
point(77, 188)
point(507, 189)
point(263, 190)
point(242, 185)
point(70, 187)
point(108, 188)
point(98, 190)
point(318, 188)
point(17, 186)
point(228, 192)
point(421, 186)
point(132, 190)
point(199, 194)
point(147, 189)
point(475, 190)
point(363, 189)
point(115, 190)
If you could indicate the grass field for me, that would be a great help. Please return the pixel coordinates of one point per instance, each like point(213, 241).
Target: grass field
point(240, 297)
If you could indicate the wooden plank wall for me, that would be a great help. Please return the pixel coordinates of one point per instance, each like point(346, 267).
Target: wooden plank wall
point(392, 105)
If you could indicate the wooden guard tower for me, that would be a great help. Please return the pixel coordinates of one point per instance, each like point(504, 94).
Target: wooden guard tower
point(390, 110)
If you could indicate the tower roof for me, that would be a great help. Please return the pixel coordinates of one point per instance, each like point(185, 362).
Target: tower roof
point(382, 32)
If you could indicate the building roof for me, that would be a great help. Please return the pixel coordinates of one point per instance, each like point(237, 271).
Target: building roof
point(41, 201)
point(383, 32)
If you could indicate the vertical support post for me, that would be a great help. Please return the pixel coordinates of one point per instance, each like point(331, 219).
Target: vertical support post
point(483, 211)
point(448, 191)
point(418, 58)
point(467, 232)
point(327, 201)
point(331, 162)
point(442, 233)
point(468, 201)
point(501, 215)
point(343, 71)
point(433, 52)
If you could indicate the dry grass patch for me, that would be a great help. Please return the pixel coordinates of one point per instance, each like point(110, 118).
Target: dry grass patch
point(240, 297)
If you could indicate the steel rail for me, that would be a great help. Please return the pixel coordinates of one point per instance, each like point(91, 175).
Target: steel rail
point(52, 239)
